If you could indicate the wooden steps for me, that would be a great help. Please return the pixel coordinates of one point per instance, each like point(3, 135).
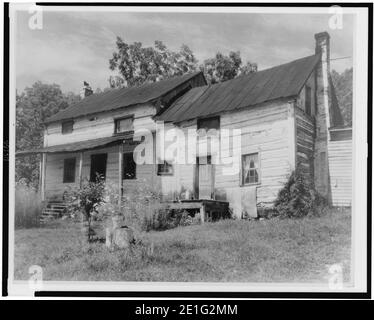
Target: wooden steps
point(53, 210)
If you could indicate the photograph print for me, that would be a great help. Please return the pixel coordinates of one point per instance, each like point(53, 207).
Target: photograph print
point(189, 148)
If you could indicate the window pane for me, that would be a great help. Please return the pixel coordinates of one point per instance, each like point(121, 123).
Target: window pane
point(123, 125)
point(252, 163)
point(209, 123)
point(67, 127)
point(250, 168)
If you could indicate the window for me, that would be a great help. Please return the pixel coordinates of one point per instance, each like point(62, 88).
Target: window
point(208, 123)
point(250, 169)
point(124, 124)
point(67, 127)
point(69, 170)
point(165, 169)
point(129, 166)
point(308, 100)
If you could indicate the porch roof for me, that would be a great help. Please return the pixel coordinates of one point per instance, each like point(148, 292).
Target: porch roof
point(79, 146)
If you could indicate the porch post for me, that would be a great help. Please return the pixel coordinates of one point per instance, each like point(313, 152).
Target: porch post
point(202, 212)
point(42, 175)
point(80, 168)
point(120, 172)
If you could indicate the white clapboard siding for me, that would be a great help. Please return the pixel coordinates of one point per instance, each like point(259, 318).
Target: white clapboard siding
point(102, 125)
point(340, 167)
point(267, 130)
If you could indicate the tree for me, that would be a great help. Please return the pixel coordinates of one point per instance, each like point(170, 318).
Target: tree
point(86, 199)
point(33, 106)
point(137, 64)
point(222, 68)
point(343, 89)
point(299, 198)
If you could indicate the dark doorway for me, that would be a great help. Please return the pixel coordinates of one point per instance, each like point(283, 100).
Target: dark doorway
point(98, 166)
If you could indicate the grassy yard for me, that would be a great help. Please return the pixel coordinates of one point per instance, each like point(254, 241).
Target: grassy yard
point(231, 250)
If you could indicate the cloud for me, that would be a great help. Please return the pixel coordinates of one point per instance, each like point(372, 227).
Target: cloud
point(76, 46)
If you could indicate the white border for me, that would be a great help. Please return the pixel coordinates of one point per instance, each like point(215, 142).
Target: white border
point(359, 186)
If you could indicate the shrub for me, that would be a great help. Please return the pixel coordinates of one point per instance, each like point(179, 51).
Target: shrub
point(28, 206)
point(86, 200)
point(142, 209)
point(156, 217)
point(298, 198)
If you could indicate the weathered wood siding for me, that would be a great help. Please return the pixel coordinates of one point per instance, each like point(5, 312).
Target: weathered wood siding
point(311, 82)
point(305, 135)
point(102, 126)
point(340, 167)
point(54, 186)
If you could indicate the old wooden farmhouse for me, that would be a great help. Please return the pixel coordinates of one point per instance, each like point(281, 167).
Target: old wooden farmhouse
point(288, 116)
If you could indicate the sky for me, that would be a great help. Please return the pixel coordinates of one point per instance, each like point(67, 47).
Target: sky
point(73, 47)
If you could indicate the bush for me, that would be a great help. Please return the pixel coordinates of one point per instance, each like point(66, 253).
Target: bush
point(86, 199)
point(143, 210)
point(298, 198)
point(28, 206)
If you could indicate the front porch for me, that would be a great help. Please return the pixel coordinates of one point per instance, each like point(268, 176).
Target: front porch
point(68, 165)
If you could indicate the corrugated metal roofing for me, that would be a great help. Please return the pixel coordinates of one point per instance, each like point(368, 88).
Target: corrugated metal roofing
point(281, 81)
point(123, 97)
point(79, 146)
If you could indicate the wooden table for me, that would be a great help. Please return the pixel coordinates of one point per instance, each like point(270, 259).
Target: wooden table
point(209, 209)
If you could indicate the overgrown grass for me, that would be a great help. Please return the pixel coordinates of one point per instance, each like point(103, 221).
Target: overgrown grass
point(286, 250)
point(28, 207)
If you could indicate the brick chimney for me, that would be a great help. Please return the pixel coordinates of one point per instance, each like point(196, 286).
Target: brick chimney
point(323, 101)
point(86, 90)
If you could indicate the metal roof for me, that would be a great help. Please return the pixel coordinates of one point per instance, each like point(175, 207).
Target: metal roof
point(80, 146)
point(123, 97)
point(282, 81)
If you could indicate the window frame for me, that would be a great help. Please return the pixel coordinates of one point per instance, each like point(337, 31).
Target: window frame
point(117, 120)
point(124, 156)
point(64, 170)
point(161, 173)
point(258, 168)
point(67, 122)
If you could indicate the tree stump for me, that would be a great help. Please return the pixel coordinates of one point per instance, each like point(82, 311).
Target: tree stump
point(123, 237)
point(116, 235)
